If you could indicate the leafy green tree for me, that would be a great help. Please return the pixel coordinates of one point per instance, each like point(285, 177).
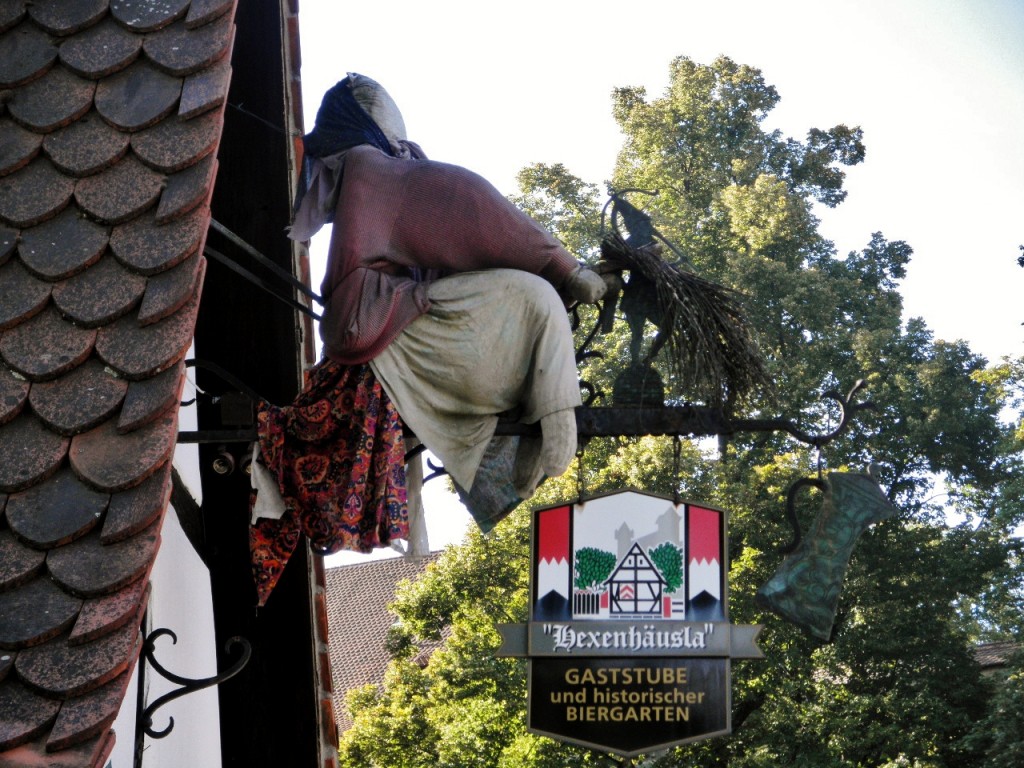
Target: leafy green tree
point(897, 684)
point(998, 735)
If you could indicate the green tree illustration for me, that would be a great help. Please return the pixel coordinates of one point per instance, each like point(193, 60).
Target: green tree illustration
point(669, 560)
point(592, 567)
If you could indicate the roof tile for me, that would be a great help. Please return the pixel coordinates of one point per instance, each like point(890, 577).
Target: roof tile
point(87, 146)
point(6, 664)
point(34, 613)
point(88, 716)
point(135, 509)
point(139, 352)
point(29, 52)
point(204, 11)
point(149, 247)
point(147, 399)
point(17, 146)
point(101, 50)
point(94, 752)
point(19, 563)
point(24, 715)
point(121, 192)
point(34, 194)
point(8, 239)
point(205, 90)
point(997, 654)
point(101, 294)
point(167, 292)
point(13, 396)
point(98, 431)
point(180, 50)
point(46, 346)
point(54, 100)
point(75, 403)
point(11, 12)
point(358, 614)
point(77, 509)
point(137, 97)
point(65, 17)
point(177, 143)
point(29, 453)
point(187, 189)
point(147, 16)
point(112, 464)
point(90, 568)
point(102, 615)
point(22, 295)
point(63, 670)
point(62, 246)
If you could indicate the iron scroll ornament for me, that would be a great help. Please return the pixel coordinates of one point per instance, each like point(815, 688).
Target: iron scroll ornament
point(847, 408)
point(188, 685)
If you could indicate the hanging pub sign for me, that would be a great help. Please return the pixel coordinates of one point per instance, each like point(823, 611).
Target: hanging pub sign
point(629, 642)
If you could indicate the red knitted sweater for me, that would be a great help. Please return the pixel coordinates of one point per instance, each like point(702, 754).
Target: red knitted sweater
point(394, 215)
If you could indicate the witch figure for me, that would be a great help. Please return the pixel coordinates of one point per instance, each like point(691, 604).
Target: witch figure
point(445, 308)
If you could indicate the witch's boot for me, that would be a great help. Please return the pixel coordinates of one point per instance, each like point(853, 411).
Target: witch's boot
point(805, 588)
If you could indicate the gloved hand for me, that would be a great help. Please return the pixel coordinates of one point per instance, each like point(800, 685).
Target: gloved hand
point(585, 285)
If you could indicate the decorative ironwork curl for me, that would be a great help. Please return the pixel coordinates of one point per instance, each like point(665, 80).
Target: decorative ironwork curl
point(436, 470)
point(847, 410)
point(791, 517)
point(188, 685)
point(584, 352)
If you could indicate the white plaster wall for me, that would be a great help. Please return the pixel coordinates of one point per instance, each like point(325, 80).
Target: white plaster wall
point(124, 728)
point(180, 601)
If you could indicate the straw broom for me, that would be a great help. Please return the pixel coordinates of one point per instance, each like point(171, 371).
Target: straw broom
point(712, 354)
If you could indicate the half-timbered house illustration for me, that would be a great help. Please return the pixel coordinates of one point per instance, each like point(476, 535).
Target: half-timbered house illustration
point(636, 586)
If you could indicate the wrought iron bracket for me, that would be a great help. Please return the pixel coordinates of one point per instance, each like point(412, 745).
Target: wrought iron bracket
point(686, 421)
point(188, 685)
point(282, 275)
point(225, 376)
point(682, 420)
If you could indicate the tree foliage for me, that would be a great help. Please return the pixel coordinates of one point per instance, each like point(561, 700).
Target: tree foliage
point(997, 736)
point(897, 684)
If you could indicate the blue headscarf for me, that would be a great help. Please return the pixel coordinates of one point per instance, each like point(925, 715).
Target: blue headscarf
point(341, 123)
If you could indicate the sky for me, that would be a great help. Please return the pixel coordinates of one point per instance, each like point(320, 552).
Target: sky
point(936, 85)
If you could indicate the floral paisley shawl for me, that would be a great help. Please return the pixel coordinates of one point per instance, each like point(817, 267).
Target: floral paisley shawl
point(338, 456)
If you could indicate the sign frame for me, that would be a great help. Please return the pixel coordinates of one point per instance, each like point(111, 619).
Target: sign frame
point(612, 666)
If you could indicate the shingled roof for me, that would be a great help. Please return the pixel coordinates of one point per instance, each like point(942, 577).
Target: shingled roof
point(993, 656)
point(110, 116)
point(358, 617)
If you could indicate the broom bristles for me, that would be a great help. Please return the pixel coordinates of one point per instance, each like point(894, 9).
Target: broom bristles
point(712, 353)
